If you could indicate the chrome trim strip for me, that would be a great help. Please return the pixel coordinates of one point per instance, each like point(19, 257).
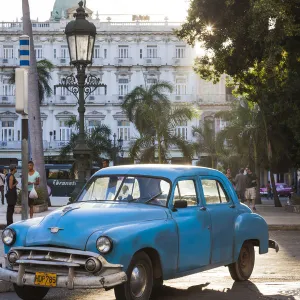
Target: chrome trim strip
point(46, 263)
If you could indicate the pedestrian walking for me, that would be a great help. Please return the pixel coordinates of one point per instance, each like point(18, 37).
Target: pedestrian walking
point(2, 184)
point(269, 191)
point(33, 180)
point(251, 184)
point(240, 185)
point(11, 194)
point(105, 163)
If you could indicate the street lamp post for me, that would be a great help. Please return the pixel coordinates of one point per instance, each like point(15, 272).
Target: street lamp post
point(81, 40)
point(117, 148)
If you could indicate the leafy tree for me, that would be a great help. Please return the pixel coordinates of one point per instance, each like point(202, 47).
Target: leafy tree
point(44, 69)
point(97, 140)
point(151, 111)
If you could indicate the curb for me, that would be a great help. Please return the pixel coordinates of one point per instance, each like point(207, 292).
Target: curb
point(283, 227)
point(6, 287)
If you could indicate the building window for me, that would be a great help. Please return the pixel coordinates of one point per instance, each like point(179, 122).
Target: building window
point(123, 87)
point(105, 53)
point(97, 52)
point(180, 51)
point(64, 52)
point(182, 130)
point(92, 124)
point(8, 52)
point(54, 53)
point(38, 52)
point(64, 92)
point(8, 89)
point(123, 51)
point(7, 132)
point(141, 53)
point(180, 86)
point(151, 51)
point(124, 130)
point(151, 81)
point(65, 131)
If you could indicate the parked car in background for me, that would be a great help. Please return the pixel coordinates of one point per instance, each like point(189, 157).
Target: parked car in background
point(282, 189)
point(131, 228)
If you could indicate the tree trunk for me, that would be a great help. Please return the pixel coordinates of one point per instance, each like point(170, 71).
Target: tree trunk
point(212, 162)
point(159, 149)
point(275, 194)
point(34, 115)
point(257, 172)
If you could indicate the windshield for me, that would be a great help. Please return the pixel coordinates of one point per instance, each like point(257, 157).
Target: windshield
point(138, 189)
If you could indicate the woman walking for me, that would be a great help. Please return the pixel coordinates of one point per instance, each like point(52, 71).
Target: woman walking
point(33, 180)
point(11, 195)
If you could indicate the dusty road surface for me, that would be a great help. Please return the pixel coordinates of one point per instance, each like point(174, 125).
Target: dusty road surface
point(276, 276)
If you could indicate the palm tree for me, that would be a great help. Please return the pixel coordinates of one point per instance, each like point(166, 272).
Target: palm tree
point(206, 142)
point(150, 109)
point(97, 140)
point(44, 68)
point(34, 114)
point(163, 137)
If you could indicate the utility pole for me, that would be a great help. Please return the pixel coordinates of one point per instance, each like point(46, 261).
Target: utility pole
point(22, 108)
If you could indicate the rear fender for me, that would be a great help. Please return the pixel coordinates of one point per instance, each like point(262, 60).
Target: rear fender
point(250, 227)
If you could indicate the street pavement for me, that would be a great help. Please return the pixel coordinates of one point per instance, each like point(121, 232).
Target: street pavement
point(276, 276)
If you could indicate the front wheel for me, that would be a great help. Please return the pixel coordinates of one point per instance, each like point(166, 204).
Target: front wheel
point(242, 269)
point(31, 292)
point(139, 279)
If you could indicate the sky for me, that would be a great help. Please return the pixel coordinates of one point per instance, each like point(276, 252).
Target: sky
point(157, 9)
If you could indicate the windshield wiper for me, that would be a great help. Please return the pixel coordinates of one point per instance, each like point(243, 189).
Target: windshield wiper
point(151, 199)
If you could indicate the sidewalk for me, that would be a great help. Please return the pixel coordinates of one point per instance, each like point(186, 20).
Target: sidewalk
point(276, 217)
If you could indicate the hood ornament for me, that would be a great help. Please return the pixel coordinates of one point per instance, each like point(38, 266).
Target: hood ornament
point(67, 209)
point(55, 229)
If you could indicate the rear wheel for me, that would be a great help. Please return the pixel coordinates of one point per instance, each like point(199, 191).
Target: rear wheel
point(242, 269)
point(31, 292)
point(139, 279)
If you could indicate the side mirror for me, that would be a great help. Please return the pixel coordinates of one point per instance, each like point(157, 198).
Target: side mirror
point(180, 204)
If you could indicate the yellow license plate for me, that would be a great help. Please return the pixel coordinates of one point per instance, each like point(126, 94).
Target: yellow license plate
point(45, 279)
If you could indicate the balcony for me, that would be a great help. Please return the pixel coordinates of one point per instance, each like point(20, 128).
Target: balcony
point(96, 100)
point(155, 61)
point(116, 100)
point(62, 61)
point(69, 100)
point(188, 98)
point(9, 62)
point(56, 145)
point(123, 62)
point(7, 100)
point(212, 99)
point(98, 61)
point(16, 145)
point(182, 62)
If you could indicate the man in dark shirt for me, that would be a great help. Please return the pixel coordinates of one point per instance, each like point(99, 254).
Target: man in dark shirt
point(251, 185)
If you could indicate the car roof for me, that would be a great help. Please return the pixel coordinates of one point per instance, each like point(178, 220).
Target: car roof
point(158, 170)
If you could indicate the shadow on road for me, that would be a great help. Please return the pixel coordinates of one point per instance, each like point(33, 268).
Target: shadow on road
point(239, 290)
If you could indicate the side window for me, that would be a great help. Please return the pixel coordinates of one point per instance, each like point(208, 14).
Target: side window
point(214, 192)
point(186, 190)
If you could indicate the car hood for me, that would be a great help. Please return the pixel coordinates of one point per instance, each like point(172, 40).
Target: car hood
point(75, 223)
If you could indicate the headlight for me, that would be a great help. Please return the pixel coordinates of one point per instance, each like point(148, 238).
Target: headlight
point(8, 236)
point(104, 244)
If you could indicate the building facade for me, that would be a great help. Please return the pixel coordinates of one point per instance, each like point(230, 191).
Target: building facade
point(126, 55)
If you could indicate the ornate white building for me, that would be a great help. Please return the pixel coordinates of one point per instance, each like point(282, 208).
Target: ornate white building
point(126, 55)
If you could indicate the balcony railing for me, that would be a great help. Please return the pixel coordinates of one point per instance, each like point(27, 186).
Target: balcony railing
point(155, 61)
point(123, 61)
point(212, 98)
point(7, 100)
point(62, 100)
point(16, 145)
point(182, 62)
point(96, 100)
point(9, 61)
point(188, 98)
point(116, 100)
point(61, 61)
point(97, 61)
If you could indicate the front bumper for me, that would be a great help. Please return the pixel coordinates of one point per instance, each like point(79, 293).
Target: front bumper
point(70, 282)
point(67, 264)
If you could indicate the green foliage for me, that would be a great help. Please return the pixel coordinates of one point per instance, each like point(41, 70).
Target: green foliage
point(97, 140)
point(257, 44)
point(44, 69)
point(156, 120)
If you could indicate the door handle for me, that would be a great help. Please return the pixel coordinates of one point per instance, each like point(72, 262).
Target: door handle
point(203, 208)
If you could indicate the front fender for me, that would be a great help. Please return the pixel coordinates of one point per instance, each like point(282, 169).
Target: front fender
point(160, 235)
point(250, 227)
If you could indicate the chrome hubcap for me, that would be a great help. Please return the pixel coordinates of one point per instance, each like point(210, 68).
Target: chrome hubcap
point(138, 281)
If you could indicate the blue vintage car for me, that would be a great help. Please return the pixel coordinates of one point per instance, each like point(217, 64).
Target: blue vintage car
point(133, 227)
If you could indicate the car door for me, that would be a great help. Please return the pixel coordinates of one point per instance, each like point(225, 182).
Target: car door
point(223, 214)
point(193, 223)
